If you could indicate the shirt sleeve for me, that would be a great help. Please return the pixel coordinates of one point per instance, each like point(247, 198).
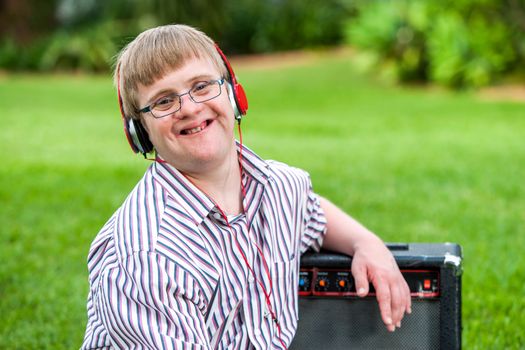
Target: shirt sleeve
point(314, 222)
point(142, 307)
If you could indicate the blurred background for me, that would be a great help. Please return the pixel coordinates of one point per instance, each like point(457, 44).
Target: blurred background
point(459, 43)
point(408, 114)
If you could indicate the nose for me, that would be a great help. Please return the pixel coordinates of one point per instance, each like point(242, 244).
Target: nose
point(188, 106)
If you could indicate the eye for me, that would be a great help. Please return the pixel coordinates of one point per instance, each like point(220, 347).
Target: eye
point(165, 102)
point(201, 88)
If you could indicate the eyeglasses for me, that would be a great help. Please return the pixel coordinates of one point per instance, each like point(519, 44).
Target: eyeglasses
point(200, 92)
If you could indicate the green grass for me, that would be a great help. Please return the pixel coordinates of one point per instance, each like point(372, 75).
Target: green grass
point(413, 164)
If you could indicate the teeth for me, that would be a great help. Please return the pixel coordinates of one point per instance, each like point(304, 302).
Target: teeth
point(194, 130)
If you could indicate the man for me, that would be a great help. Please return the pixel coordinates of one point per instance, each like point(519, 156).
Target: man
point(204, 253)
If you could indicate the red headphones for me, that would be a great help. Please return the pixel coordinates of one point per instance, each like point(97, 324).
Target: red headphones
point(239, 96)
point(137, 135)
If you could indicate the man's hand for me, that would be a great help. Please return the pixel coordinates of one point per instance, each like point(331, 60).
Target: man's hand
point(372, 262)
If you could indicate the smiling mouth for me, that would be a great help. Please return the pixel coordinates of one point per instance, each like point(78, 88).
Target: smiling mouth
point(196, 129)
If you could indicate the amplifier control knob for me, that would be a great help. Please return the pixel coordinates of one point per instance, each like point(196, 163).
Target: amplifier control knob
point(323, 281)
point(304, 281)
point(322, 284)
point(343, 285)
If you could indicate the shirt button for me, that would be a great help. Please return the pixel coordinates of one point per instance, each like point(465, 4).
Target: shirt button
point(217, 216)
point(250, 278)
point(257, 332)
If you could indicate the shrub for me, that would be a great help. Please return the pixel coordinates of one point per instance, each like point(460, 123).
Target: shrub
point(87, 36)
point(90, 49)
point(468, 53)
point(394, 31)
point(457, 43)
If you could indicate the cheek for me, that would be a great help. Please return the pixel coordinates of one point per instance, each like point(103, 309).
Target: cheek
point(223, 104)
point(156, 130)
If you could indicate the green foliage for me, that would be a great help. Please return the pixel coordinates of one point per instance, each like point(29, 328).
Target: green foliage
point(469, 53)
point(8, 53)
point(413, 165)
point(16, 57)
point(457, 43)
point(89, 33)
point(89, 50)
point(394, 31)
point(293, 24)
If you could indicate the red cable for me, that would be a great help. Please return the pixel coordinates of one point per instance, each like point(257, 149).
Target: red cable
point(266, 294)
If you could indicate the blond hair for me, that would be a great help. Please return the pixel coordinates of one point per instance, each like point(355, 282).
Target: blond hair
point(153, 53)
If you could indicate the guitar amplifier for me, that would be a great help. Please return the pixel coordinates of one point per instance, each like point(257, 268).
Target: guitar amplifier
point(333, 317)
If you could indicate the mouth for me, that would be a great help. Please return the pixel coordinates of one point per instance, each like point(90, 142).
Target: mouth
point(197, 129)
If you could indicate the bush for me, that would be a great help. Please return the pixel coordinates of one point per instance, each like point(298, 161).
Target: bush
point(469, 53)
point(9, 53)
point(88, 50)
point(88, 36)
point(456, 43)
point(394, 31)
point(294, 24)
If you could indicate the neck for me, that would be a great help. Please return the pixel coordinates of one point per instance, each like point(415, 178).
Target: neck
point(222, 184)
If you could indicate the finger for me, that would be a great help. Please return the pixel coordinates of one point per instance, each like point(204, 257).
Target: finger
point(405, 303)
point(384, 300)
point(361, 279)
point(409, 299)
point(398, 303)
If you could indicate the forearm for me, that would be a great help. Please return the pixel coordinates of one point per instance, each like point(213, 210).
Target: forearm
point(372, 263)
point(344, 234)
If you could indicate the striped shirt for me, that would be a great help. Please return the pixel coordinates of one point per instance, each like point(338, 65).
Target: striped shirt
point(168, 272)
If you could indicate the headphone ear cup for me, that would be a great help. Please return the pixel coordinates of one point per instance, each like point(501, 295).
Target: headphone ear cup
point(240, 98)
point(233, 102)
point(140, 141)
point(136, 134)
point(129, 137)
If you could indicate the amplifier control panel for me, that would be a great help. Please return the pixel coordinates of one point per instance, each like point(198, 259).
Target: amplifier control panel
point(339, 282)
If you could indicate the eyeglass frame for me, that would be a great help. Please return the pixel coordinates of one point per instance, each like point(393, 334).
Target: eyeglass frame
point(148, 108)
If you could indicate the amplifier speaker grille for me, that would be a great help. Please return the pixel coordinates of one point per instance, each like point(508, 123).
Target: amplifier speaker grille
point(350, 323)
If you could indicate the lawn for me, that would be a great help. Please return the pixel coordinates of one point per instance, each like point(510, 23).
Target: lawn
point(415, 164)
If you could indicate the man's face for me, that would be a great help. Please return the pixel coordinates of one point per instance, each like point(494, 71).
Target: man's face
point(198, 137)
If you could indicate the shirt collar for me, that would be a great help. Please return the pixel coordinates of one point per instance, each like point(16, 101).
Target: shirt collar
point(192, 200)
point(253, 165)
point(195, 202)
